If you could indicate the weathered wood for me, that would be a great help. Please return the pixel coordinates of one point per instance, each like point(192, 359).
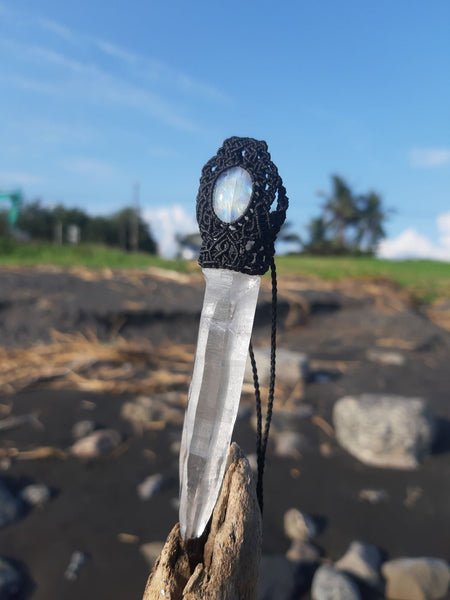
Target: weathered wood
point(223, 564)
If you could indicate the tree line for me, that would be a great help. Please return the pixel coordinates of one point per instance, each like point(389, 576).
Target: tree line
point(124, 229)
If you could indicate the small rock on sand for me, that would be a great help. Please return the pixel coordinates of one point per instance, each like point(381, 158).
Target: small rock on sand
point(83, 428)
point(303, 552)
point(36, 494)
point(96, 444)
point(298, 525)
point(292, 367)
point(416, 578)
point(151, 486)
point(10, 580)
point(384, 431)
point(10, 506)
point(363, 561)
point(385, 357)
point(330, 584)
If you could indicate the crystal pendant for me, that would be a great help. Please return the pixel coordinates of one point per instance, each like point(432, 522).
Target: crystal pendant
point(232, 193)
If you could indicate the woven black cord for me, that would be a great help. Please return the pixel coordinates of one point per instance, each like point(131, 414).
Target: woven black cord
point(261, 445)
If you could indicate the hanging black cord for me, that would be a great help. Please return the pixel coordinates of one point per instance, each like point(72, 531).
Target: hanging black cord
point(261, 440)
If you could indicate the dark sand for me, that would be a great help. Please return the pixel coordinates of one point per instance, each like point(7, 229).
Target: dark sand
point(94, 502)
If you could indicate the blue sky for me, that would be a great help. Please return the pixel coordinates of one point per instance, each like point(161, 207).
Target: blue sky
point(98, 95)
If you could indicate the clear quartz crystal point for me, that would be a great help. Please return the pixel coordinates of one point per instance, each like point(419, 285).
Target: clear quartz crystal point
point(224, 336)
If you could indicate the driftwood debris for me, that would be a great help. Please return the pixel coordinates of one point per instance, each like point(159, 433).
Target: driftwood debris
point(223, 564)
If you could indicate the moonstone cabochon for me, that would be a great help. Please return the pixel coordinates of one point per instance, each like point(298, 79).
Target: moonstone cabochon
point(232, 193)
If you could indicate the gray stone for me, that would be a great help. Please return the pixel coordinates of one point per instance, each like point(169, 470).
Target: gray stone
point(83, 428)
point(279, 578)
point(151, 551)
point(384, 431)
point(299, 526)
point(36, 494)
point(303, 552)
point(10, 580)
point(385, 357)
point(373, 496)
point(96, 444)
point(363, 561)
point(292, 367)
point(148, 409)
point(416, 578)
point(288, 444)
point(288, 419)
point(10, 506)
point(150, 486)
point(330, 584)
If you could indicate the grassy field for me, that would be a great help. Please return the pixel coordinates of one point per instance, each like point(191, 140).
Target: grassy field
point(425, 280)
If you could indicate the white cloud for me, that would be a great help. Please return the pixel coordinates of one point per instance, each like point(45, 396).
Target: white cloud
point(165, 223)
point(426, 158)
point(18, 178)
point(58, 29)
point(412, 244)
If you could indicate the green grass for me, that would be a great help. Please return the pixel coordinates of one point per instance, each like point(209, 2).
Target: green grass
point(424, 280)
point(90, 256)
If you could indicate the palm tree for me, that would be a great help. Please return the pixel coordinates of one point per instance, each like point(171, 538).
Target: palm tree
point(370, 221)
point(340, 209)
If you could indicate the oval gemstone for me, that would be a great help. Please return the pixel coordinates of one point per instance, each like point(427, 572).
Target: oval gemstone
point(232, 193)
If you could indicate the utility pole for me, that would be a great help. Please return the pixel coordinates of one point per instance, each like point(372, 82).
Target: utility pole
point(134, 225)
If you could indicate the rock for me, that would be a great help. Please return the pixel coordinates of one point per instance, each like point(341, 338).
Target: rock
point(298, 525)
point(10, 506)
point(279, 578)
point(330, 584)
point(151, 551)
point(292, 367)
point(285, 419)
point(83, 428)
point(303, 552)
point(288, 444)
point(77, 560)
point(373, 496)
point(386, 358)
point(96, 444)
point(10, 580)
point(151, 486)
point(36, 494)
point(363, 561)
point(384, 431)
point(159, 407)
point(416, 578)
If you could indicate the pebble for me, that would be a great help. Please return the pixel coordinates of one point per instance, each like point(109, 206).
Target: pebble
point(416, 578)
point(289, 444)
point(77, 560)
point(292, 367)
point(83, 428)
point(159, 407)
point(330, 584)
point(384, 430)
point(151, 552)
point(280, 579)
point(36, 494)
point(10, 580)
point(10, 506)
point(373, 496)
point(303, 552)
point(299, 526)
point(363, 561)
point(150, 486)
point(96, 444)
point(386, 358)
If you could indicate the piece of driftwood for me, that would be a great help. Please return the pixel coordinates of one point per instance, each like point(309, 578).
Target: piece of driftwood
point(223, 564)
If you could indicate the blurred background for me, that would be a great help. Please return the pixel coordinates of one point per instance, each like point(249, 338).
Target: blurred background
point(108, 111)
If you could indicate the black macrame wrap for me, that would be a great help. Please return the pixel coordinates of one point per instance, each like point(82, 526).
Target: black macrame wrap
point(247, 244)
